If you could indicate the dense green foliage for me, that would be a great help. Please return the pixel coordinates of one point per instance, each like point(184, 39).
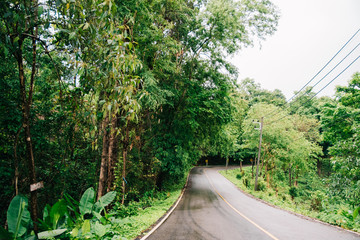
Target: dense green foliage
point(123, 96)
point(308, 198)
point(126, 96)
point(309, 153)
point(87, 219)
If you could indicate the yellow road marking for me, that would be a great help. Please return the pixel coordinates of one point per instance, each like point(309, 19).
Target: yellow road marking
point(238, 212)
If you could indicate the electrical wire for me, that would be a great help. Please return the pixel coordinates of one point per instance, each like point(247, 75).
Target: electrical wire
point(270, 114)
point(306, 92)
point(319, 90)
point(325, 65)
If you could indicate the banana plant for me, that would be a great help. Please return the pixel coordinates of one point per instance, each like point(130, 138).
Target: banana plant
point(19, 221)
point(18, 216)
point(56, 219)
point(88, 207)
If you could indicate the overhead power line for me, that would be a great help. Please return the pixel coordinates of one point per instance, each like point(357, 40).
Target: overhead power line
point(324, 66)
point(271, 113)
point(336, 77)
point(306, 92)
point(319, 90)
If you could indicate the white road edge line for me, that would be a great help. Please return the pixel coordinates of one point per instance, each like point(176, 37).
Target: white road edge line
point(169, 213)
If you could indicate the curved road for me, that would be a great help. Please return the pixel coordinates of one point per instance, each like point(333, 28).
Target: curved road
point(213, 208)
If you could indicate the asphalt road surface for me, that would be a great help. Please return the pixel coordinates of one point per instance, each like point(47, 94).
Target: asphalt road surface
point(213, 208)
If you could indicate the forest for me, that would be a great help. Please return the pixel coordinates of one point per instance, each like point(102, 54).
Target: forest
point(106, 104)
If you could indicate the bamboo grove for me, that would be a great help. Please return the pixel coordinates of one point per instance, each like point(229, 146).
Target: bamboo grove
point(120, 95)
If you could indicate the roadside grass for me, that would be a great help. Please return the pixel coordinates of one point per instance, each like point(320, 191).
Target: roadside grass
point(306, 200)
point(143, 217)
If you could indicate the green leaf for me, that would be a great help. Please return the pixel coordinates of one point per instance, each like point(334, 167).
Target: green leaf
point(75, 232)
point(57, 211)
point(72, 35)
point(356, 212)
point(87, 201)
point(51, 233)
point(86, 26)
point(99, 217)
point(46, 213)
point(31, 237)
point(16, 39)
point(46, 216)
point(86, 226)
point(72, 205)
point(5, 234)
point(104, 201)
point(100, 229)
point(18, 217)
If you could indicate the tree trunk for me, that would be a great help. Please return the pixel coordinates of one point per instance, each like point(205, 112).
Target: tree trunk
point(16, 161)
point(252, 168)
point(113, 153)
point(262, 165)
point(240, 166)
point(296, 176)
point(318, 167)
point(267, 176)
point(104, 158)
point(31, 163)
point(26, 104)
point(125, 148)
point(29, 147)
point(227, 162)
point(290, 176)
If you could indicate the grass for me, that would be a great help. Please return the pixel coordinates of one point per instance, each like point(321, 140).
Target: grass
point(133, 226)
point(312, 203)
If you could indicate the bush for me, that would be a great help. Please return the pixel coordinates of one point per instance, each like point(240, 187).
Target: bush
point(238, 176)
point(246, 182)
point(293, 191)
point(261, 185)
point(131, 209)
point(316, 201)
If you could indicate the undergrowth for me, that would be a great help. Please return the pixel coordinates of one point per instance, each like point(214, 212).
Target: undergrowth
point(308, 198)
point(138, 216)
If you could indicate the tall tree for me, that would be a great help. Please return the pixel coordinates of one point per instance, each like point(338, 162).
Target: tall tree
point(20, 24)
point(289, 143)
point(341, 122)
point(253, 93)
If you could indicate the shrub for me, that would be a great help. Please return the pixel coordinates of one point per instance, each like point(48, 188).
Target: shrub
point(293, 191)
point(246, 182)
point(131, 209)
point(238, 176)
point(316, 201)
point(261, 185)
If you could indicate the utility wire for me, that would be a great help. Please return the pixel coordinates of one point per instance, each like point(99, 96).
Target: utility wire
point(270, 114)
point(324, 66)
point(335, 77)
point(330, 71)
point(318, 91)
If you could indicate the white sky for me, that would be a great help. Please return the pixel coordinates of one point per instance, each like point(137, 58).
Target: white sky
point(309, 34)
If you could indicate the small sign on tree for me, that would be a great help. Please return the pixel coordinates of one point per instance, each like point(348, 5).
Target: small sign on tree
point(36, 186)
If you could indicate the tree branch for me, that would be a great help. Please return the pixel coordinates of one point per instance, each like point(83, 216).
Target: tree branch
point(45, 46)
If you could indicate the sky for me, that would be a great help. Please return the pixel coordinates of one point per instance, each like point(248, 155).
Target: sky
point(310, 33)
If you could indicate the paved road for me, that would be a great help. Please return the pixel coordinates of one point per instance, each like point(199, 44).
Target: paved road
point(213, 208)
